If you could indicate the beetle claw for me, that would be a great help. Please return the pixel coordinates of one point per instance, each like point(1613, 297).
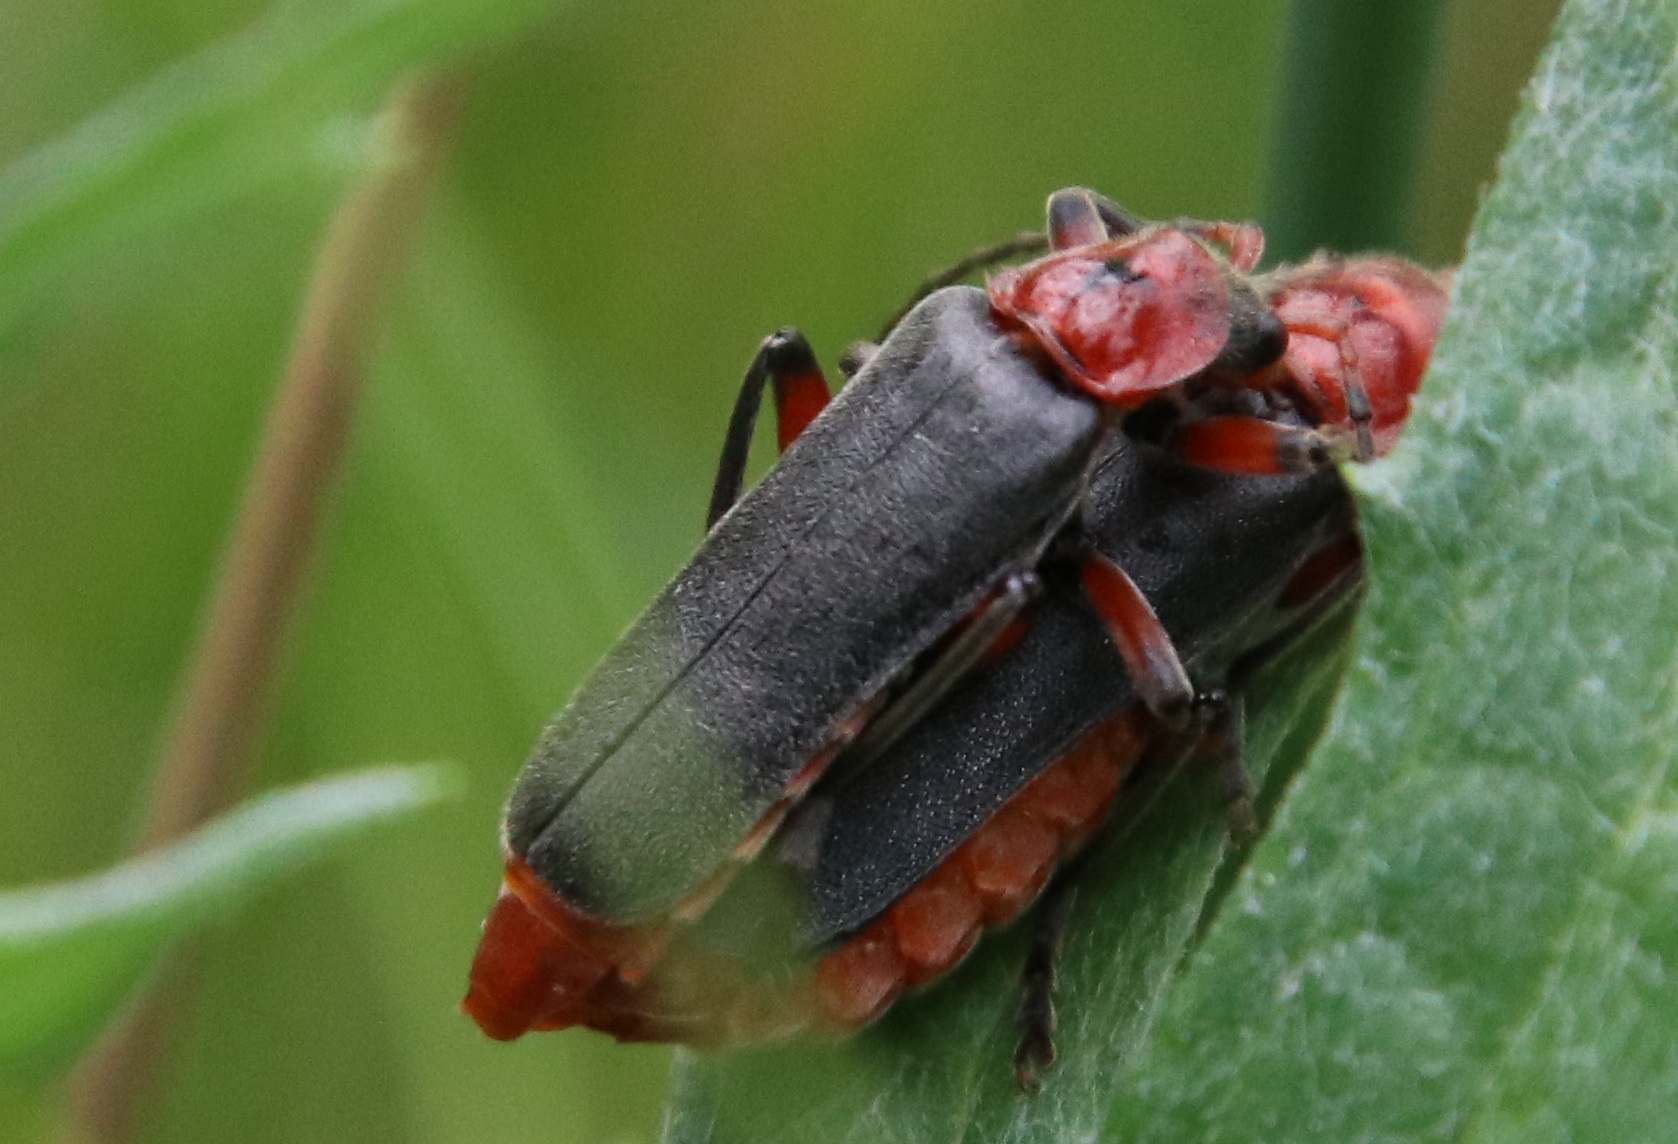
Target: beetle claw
point(1035, 1054)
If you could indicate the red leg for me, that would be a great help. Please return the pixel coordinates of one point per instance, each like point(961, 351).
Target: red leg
point(1242, 241)
point(1331, 327)
point(1252, 446)
point(786, 362)
point(1148, 653)
point(800, 395)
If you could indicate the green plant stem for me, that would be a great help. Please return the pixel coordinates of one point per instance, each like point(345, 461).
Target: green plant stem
point(1351, 117)
point(231, 678)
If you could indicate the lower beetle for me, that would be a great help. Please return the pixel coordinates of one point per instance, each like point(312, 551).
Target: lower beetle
point(897, 541)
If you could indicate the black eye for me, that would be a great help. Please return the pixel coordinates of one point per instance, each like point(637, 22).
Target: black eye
point(1257, 337)
point(1270, 340)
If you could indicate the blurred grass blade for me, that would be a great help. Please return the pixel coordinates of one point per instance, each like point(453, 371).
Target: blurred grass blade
point(70, 953)
point(242, 111)
point(462, 405)
point(1461, 926)
point(1349, 124)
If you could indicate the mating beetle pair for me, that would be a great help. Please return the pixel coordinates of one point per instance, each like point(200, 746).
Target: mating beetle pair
point(917, 662)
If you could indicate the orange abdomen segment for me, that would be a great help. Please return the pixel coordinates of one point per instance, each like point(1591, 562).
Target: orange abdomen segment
point(539, 961)
point(542, 965)
point(988, 881)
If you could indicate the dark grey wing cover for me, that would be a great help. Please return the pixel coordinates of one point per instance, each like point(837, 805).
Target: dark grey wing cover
point(930, 475)
point(1210, 551)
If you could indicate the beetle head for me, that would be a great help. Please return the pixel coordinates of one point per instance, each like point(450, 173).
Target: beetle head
point(1372, 321)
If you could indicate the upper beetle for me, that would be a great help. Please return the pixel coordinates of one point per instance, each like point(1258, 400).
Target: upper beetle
point(899, 537)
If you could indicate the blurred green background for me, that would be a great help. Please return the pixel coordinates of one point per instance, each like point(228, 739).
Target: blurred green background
point(639, 193)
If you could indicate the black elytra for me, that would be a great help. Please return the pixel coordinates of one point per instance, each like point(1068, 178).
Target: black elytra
point(942, 468)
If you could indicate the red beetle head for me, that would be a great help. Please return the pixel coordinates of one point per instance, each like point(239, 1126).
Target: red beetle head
point(1371, 319)
point(1122, 319)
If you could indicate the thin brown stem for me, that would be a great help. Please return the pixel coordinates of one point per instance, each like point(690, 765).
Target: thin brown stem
point(228, 686)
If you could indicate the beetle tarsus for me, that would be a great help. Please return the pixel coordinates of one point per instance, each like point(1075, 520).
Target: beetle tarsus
point(1035, 1017)
point(1240, 816)
point(1224, 717)
point(1035, 1054)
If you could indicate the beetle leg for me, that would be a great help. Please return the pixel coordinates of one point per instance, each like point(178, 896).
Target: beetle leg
point(1170, 751)
point(982, 630)
point(1226, 730)
point(1035, 1017)
point(785, 361)
point(1142, 641)
point(1243, 241)
point(1331, 327)
point(1256, 446)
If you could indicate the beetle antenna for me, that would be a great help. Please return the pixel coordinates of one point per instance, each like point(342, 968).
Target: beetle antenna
point(1026, 242)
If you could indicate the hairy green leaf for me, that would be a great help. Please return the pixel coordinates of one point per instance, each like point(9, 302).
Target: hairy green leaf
point(70, 953)
point(1457, 931)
